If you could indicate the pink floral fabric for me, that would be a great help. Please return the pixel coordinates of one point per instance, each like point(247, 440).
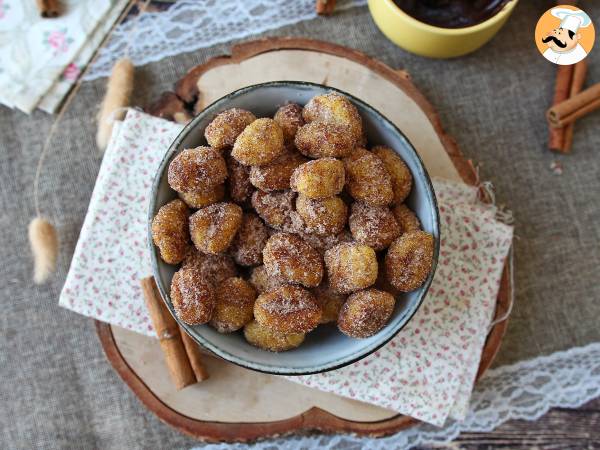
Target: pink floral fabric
point(427, 371)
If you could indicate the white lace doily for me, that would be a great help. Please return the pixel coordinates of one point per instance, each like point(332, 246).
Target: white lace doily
point(190, 24)
point(525, 390)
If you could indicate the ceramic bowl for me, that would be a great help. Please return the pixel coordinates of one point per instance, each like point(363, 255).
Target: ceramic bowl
point(325, 348)
point(428, 40)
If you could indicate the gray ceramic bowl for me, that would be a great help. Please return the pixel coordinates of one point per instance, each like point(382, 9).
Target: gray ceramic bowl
point(325, 348)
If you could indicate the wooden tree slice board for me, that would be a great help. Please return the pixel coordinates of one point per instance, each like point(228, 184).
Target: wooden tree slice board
point(237, 404)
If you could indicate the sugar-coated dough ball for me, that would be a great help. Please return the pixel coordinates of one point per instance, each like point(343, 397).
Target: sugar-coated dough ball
point(374, 226)
point(234, 305)
point(351, 267)
point(227, 126)
point(267, 339)
point(170, 231)
point(409, 260)
point(289, 118)
point(250, 240)
point(288, 309)
point(276, 209)
point(401, 177)
point(322, 243)
point(213, 268)
point(365, 313)
point(322, 140)
point(240, 188)
point(197, 169)
point(214, 227)
point(262, 281)
point(335, 108)
point(367, 178)
point(193, 297)
point(407, 220)
point(260, 143)
point(289, 257)
point(331, 302)
point(321, 178)
point(276, 175)
point(204, 198)
point(322, 217)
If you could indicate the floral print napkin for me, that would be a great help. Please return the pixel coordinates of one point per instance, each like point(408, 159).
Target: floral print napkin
point(427, 371)
point(34, 52)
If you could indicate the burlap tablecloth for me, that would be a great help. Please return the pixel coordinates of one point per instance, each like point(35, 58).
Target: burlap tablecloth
point(57, 389)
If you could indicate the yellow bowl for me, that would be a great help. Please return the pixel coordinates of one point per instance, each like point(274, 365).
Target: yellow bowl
point(428, 40)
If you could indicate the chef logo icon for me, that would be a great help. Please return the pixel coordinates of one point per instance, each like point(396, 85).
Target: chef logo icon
point(564, 35)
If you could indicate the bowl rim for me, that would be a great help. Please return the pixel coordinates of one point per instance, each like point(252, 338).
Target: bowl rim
point(462, 31)
point(259, 367)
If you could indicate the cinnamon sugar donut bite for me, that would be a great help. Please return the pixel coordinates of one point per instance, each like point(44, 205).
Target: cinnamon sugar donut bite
point(227, 126)
point(351, 267)
point(197, 169)
point(409, 260)
point(322, 140)
point(374, 226)
point(200, 199)
point(407, 219)
point(234, 305)
point(337, 109)
point(365, 313)
point(240, 188)
point(368, 180)
point(289, 118)
point(290, 258)
point(214, 227)
point(212, 268)
point(401, 177)
point(331, 302)
point(263, 282)
point(276, 175)
point(170, 231)
point(321, 178)
point(259, 144)
point(322, 217)
point(250, 240)
point(267, 339)
point(192, 297)
point(275, 208)
point(288, 309)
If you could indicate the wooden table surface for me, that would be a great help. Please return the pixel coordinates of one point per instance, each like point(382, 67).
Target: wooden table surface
point(559, 429)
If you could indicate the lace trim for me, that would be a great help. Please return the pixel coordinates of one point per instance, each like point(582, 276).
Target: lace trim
point(190, 24)
point(525, 390)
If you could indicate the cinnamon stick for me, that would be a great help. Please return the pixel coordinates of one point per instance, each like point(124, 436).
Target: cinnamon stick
point(562, 88)
point(169, 336)
point(48, 8)
point(579, 74)
point(194, 355)
point(575, 107)
point(325, 7)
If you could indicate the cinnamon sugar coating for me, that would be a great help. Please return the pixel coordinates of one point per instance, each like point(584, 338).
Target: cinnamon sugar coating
point(323, 140)
point(170, 231)
point(200, 199)
point(337, 109)
point(331, 302)
point(401, 177)
point(250, 240)
point(276, 209)
point(234, 305)
point(320, 178)
point(260, 143)
point(276, 175)
point(263, 282)
point(289, 118)
point(365, 313)
point(374, 226)
point(214, 227)
point(240, 188)
point(367, 178)
point(193, 298)
point(197, 169)
point(267, 339)
point(409, 260)
point(322, 217)
point(227, 126)
point(351, 267)
point(213, 268)
point(407, 220)
point(289, 257)
point(288, 309)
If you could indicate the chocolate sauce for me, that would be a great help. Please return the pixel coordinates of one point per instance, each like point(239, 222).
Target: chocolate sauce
point(451, 13)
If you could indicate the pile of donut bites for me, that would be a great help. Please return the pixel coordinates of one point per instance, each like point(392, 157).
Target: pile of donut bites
point(296, 224)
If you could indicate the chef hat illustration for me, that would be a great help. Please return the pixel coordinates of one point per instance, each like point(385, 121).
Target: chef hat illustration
point(571, 20)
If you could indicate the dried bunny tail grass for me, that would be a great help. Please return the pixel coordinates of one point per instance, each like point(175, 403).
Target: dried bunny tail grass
point(118, 91)
point(44, 246)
